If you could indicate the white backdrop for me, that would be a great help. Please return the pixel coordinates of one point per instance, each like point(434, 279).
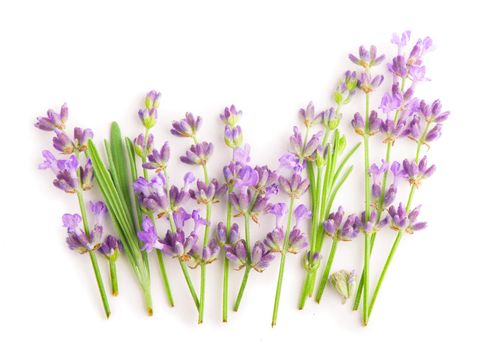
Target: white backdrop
point(269, 58)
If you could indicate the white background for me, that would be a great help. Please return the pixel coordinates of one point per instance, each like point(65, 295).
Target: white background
point(269, 58)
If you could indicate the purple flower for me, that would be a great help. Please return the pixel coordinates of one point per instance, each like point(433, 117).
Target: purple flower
point(149, 235)
point(77, 239)
point(267, 179)
point(367, 58)
point(292, 161)
point(330, 119)
point(65, 171)
point(346, 88)
point(148, 117)
point(230, 172)
point(301, 212)
point(400, 221)
point(63, 143)
point(346, 232)
point(178, 245)
point(186, 127)
point(245, 202)
point(274, 240)
point(297, 241)
point(242, 155)
point(367, 83)
point(233, 236)
point(308, 116)
point(152, 100)
point(279, 210)
point(246, 177)
point(416, 173)
point(376, 173)
point(81, 137)
point(231, 116)
point(401, 40)
point(210, 193)
point(158, 160)
point(398, 66)
point(142, 149)
point(374, 123)
point(98, 209)
point(53, 120)
point(205, 255)
point(198, 154)
point(86, 175)
point(152, 194)
point(233, 136)
point(261, 257)
point(433, 113)
point(111, 247)
point(294, 186)
point(371, 225)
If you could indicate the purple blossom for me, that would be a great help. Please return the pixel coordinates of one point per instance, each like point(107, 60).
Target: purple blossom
point(374, 123)
point(274, 240)
point(86, 175)
point(376, 173)
point(346, 88)
point(77, 239)
point(152, 195)
point(152, 100)
point(292, 161)
point(294, 186)
point(53, 120)
point(142, 149)
point(261, 257)
point(246, 177)
point(267, 180)
point(415, 173)
point(368, 84)
point(148, 235)
point(233, 236)
point(158, 160)
point(63, 143)
point(297, 241)
point(205, 255)
point(233, 136)
point(372, 225)
point(148, 117)
point(242, 155)
point(98, 209)
point(308, 116)
point(111, 247)
point(279, 210)
point(81, 137)
point(211, 193)
point(311, 264)
point(367, 58)
point(65, 171)
point(400, 221)
point(230, 116)
point(186, 127)
point(301, 212)
point(198, 154)
point(401, 40)
point(433, 113)
point(345, 232)
point(330, 119)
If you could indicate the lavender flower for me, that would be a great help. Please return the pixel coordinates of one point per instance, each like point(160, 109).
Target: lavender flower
point(148, 117)
point(63, 143)
point(367, 83)
point(86, 175)
point(186, 127)
point(152, 100)
point(315, 261)
point(373, 225)
point(231, 116)
point(334, 228)
point(65, 171)
point(81, 137)
point(400, 221)
point(211, 193)
point(374, 124)
point(330, 119)
point(111, 248)
point(198, 154)
point(294, 186)
point(308, 116)
point(233, 236)
point(346, 88)
point(141, 148)
point(416, 173)
point(204, 255)
point(376, 173)
point(261, 257)
point(53, 120)
point(433, 113)
point(233, 136)
point(367, 58)
point(148, 235)
point(158, 160)
point(77, 239)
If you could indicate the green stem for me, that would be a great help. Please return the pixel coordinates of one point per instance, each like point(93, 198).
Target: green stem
point(226, 264)
point(366, 260)
point(242, 288)
point(93, 257)
point(191, 288)
point(282, 263)
point(248, 268)
point(203, 268)
point(326, 271)
point(113, 277)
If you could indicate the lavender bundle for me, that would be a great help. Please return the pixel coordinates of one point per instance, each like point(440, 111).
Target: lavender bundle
point(73, 178)
point(150, 213)
point(405, 116)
